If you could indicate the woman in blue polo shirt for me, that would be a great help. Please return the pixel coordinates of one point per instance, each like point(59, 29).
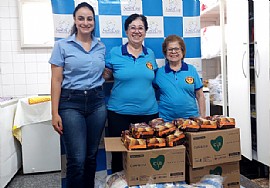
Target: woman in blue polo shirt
point(180, 87)
point(132, 98)
point(78, 101)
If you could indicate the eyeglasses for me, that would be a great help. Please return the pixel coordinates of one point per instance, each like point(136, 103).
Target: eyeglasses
point(170, 50)
point(133, 28)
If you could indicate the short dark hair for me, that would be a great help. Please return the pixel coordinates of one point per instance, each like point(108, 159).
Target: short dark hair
point(83, 4)
point(133, 17)
point(174, 38)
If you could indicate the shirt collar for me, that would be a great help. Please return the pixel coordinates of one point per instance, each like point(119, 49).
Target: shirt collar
point(125, 51)
point(168, 69)
point(73, 39)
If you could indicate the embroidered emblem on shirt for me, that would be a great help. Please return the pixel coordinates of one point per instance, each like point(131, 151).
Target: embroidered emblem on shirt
point(189, 80)
point(149, 65)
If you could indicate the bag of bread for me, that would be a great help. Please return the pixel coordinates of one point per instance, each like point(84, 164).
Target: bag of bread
point(156, 142)
point(162, 130)
point(205, 124)
point(187, 125)
point(141, 130)
point(224, 122)
point(175, 139)
point(132, 143)
point(156, 121)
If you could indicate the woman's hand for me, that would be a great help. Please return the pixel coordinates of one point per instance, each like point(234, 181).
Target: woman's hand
point(107, 74)
point(57, 124)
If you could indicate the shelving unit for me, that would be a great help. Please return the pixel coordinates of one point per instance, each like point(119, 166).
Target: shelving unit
point(211, 12)
point(214, 15)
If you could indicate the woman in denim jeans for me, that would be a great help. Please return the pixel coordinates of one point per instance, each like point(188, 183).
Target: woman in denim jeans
point(78, 101)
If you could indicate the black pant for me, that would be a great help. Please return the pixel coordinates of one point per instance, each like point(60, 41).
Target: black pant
point(118, 123)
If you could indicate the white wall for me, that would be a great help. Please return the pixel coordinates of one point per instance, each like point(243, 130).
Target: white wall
point(23, 72)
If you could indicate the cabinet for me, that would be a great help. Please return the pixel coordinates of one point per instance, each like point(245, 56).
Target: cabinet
point(248, 74)
point(212, 20)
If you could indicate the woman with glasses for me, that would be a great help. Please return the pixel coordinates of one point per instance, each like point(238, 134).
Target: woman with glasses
point(132, 98)
point(180, 86)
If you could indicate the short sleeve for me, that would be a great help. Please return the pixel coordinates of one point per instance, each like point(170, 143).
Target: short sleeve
point(108, 60)
point(151, 53)
point(57, 56)
point(198, 81)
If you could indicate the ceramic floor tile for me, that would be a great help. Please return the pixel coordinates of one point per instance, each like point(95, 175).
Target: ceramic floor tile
point(247, 183)
point(39, 180)
point(53, 180)
point(263, 182)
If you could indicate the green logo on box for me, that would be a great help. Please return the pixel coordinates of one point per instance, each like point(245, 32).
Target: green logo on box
point(216, 171)
point(158, 162)
point(217, 143)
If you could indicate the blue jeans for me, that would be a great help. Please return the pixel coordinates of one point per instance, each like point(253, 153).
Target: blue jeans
point(83, 116)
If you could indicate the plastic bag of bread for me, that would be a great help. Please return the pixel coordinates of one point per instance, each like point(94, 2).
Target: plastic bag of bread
point(186, 125)
point(178, 122)
point(177, 138)
point(205, 124)
point(134, 143)
point(162, 130)
point(224, 122)
point(124, 134)
point(141, 130)
point(156, 142)
point(156, 121)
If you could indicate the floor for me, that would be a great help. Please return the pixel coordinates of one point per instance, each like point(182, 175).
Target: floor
point(39, 180)
point(254, 183)
point(263, 182)
point(53, 179)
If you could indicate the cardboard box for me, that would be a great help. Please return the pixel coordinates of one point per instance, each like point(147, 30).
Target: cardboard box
point(153, 165)
point(213, 147)
point(229, 171)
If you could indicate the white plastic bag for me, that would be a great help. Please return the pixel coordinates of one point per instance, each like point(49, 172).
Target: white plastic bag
point(116, 180)
point(215, 89)
point(210, 181)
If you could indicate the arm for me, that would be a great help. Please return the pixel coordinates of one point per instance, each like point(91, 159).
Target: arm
point(56, 81)
point(107, 74)
point(201, 102)
point(156, 87)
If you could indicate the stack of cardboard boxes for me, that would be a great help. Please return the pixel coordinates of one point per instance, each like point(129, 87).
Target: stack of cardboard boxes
point(214, 152)
point(150, 166)
point(206, 152)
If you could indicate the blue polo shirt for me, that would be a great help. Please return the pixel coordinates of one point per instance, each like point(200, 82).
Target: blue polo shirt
point(177, 91)
point(82, 70)
point(132, 92)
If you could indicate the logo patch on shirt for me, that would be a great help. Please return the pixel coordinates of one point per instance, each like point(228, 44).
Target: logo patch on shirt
point(149, 65)
point(189, 80)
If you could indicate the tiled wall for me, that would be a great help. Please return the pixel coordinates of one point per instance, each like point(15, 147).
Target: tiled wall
point(23, 72)
point(26, 72)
